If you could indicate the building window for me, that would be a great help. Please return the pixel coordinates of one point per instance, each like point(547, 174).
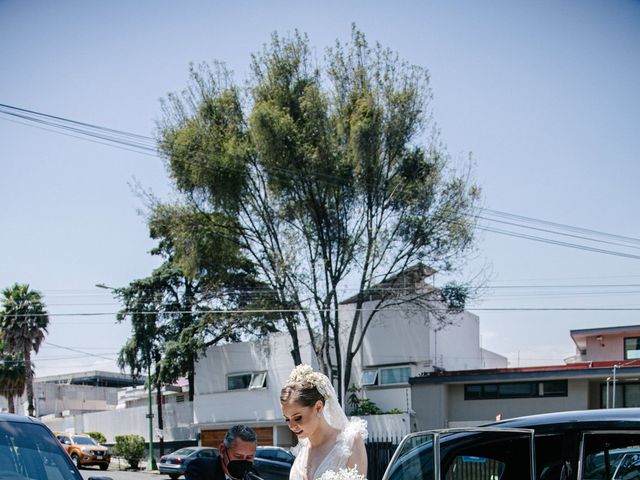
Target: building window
point(486, 391)
point(390, 376)
point(247, 381)
point(369, 377)
point(631, 348)
point(627, 395)
point(385, 376)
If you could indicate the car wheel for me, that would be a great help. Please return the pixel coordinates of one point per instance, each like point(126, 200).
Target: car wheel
point(174, 476)
point(104, 466)
point(76, 460)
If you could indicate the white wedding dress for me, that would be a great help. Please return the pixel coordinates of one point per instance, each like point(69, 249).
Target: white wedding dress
point(337, 457)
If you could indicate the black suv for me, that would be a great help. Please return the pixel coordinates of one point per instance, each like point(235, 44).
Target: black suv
point(580, 445)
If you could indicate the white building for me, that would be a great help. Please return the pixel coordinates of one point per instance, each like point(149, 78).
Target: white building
point(241, 383)
point(407, 341)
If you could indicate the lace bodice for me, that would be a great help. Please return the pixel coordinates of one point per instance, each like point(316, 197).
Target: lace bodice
point(337, 457)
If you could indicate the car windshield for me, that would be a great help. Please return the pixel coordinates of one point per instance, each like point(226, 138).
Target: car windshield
point(83, 440)
point(29, 451)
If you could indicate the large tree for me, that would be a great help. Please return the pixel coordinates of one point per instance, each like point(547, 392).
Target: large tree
point(182, 308)
point(331, 176)
point(23, 323)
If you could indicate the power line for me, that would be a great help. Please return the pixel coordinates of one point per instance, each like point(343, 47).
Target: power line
point(77, 351)
point(314, 310)
point(147, 145)
point(560, 225)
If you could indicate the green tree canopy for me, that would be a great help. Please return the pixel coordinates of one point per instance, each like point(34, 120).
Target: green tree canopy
point(23, 323)
point(330, 176)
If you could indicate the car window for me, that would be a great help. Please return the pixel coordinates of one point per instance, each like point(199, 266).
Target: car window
point(83, 440)
point(283, 456)
point(467, 467)
point(64, 439)
point(464, 455)
point(413, 460)
point(267, 453)
point(207, 453)
point(549, 458)
point(29, 450)
point(184, 452)
point(611, 456)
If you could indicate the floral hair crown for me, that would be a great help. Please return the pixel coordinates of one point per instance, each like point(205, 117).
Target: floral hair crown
point(304, 374)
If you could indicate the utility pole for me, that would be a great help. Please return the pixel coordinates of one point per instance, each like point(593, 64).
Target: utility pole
point(151, 465)
point(152, 462)
point(614, 385)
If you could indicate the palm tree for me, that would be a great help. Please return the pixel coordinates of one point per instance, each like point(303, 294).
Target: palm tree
point(23, 323)
point(12, 376)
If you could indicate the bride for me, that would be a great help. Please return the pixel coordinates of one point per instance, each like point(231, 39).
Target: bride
point(327, 439)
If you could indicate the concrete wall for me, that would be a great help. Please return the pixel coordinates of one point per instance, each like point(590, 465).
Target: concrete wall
point(381, 427)
point(431, 407)
point(610, 348)
point(484, 411)
point(389, 398)
point(493, 360)
point(412, 336)
point(178, 418)
point(52, 398)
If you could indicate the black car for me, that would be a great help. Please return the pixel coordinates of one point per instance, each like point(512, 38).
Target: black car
point(29, 450)
point(580, 445)
point(175, 464)
point(273, 463)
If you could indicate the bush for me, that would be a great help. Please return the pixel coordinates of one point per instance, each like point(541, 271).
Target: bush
point(361, 406)
point(98, 437)
point(131, 448)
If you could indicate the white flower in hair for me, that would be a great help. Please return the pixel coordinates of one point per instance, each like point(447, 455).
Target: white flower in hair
point(304, 374)
point(342, 474)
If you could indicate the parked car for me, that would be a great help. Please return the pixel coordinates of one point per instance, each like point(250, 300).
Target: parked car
point(580, 445)
point(175, 464)
point(29, 450)
point(84, 450)
point(273, 463)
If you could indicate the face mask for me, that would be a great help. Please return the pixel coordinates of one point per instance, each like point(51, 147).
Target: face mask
point(238, 468)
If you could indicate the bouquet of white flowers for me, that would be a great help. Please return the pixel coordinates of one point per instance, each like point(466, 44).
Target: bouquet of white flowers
point(342, 474)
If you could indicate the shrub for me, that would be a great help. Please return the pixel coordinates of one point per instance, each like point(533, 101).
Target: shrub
point(361, 406)
point(98, 437)
point(131, 448)
point(394, 411)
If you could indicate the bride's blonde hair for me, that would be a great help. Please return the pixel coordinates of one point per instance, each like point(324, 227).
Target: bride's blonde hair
point(305, 386)
point(305, 395)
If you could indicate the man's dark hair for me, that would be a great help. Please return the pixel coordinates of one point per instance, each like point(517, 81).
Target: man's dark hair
point(244, 433)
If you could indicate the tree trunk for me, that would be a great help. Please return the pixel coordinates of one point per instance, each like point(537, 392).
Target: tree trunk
point(27, 363)
point(11, 403)
point(295, 351)
point(191, 377)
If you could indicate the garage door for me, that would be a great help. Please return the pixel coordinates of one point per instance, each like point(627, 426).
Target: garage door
point(213, 438)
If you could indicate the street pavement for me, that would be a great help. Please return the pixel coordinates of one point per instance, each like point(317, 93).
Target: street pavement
point(116, 474)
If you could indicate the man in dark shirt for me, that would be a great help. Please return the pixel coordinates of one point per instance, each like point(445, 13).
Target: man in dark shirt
point(235, 461)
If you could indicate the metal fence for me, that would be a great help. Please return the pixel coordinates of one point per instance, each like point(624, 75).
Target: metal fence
point(379, 453)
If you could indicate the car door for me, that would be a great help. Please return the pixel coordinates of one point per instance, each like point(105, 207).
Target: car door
point(609, 455)
point(465, 454)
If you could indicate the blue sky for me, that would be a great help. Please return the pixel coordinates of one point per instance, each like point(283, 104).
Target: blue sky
point(543, 94)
